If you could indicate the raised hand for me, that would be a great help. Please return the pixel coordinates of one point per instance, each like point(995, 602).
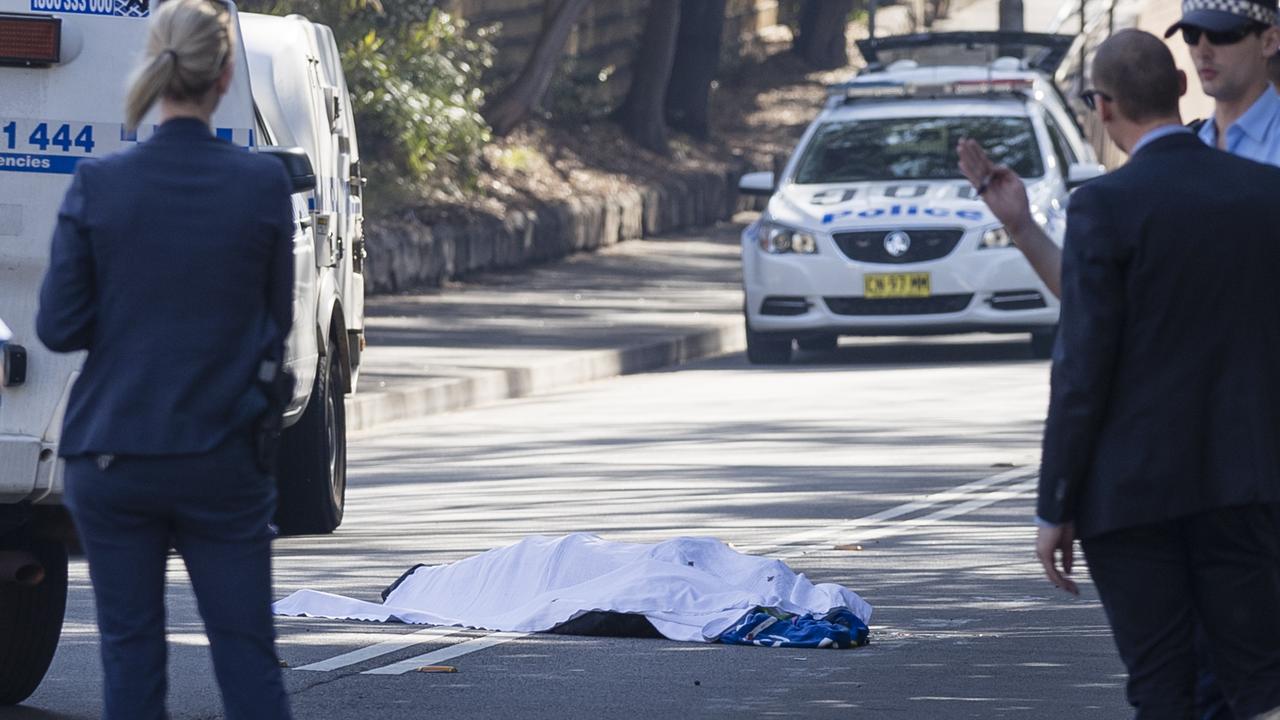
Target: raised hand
point(999, 187)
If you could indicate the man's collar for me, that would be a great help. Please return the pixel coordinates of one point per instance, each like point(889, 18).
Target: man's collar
point(1155, 134)
point(1255, 122)
point(1258, 119)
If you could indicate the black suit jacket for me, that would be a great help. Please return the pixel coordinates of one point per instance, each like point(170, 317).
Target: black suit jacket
point(172, 264)
point(1165, 396)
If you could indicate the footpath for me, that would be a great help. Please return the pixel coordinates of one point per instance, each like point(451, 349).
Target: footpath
point(633, 307)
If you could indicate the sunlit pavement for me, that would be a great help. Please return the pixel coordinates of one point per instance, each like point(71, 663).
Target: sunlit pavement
point(783, 461)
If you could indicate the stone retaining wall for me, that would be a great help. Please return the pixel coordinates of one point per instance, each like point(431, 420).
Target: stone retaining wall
point(406, 254)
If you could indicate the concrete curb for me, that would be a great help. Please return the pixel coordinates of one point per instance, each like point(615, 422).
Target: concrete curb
point(487, 386)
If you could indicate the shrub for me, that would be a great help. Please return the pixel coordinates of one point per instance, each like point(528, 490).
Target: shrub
point(414, 76)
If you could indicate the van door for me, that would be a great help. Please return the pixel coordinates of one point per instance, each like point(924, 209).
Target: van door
point(58, 109)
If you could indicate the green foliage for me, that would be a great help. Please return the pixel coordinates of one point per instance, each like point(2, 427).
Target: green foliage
point(414, 75)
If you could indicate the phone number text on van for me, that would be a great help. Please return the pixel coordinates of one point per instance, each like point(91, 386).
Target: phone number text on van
point(117, 8)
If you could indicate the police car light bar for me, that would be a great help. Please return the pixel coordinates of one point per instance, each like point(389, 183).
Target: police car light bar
point(880, 89)
point(30, 40)
point(992, 87)
point(867, 89)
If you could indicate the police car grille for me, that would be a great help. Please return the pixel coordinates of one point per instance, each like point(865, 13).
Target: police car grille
point(868, 246)
point(935, 305)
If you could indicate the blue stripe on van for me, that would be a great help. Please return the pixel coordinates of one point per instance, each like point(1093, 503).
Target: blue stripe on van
point(29, 163)
point(226, 134)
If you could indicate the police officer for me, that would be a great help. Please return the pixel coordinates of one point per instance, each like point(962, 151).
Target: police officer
point(1230, 44)
point(172, 267)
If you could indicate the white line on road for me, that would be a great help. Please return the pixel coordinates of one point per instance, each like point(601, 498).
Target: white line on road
point(974, 496)
point(1008, 493)
point(827, 533)
point(385, 647)
point(448, 653)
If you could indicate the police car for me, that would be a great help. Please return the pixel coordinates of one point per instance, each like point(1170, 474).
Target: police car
point(871, 229)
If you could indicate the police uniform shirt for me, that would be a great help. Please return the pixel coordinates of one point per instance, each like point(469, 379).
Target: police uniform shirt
point(1256, 135)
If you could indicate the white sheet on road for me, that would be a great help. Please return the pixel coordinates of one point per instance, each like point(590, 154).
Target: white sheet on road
point(690, 589)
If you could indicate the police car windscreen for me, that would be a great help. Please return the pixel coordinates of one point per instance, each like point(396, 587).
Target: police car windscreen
point(914, 149)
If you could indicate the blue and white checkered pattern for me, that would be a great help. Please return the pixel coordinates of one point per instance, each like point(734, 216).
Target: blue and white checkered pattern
point(1243, 8)
point(133, 8)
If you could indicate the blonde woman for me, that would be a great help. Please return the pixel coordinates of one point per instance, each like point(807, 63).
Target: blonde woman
point(172, 266)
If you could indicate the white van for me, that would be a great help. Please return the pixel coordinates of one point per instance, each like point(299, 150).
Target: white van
point(64, 67)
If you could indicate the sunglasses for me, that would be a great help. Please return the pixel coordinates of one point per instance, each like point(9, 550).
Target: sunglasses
point(1089, 98)
point(1191, 35)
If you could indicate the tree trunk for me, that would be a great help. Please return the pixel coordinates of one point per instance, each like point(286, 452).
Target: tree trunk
point(641, 114)
point(821, 42)
point(697, 60)
point(512, 106)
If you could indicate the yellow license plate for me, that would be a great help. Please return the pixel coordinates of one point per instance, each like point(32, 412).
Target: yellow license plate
point(896, 285)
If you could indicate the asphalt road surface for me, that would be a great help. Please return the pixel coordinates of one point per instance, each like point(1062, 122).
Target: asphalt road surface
point(920, 452)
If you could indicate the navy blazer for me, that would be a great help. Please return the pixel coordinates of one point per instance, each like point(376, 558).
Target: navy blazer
point(172, 264)
point(1165, 397)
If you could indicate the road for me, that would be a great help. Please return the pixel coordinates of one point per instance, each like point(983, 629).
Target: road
point(935, 438)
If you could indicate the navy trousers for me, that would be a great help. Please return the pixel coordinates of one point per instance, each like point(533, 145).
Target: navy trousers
point(1218, 573)
point(214, 509)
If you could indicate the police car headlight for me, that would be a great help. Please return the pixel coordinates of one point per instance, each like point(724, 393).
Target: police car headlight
point(995, 238)
point(780, 239)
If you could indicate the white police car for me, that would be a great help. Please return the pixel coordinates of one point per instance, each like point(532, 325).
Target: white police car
point(872, 230)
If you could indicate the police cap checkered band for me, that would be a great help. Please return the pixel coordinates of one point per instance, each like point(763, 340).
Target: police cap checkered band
point(1262, 12)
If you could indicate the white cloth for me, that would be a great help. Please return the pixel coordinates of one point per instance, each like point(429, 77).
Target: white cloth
point(690, 589)
point(5, 333)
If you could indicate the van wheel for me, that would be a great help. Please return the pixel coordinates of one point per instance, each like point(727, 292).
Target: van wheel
point(765, 349)
point(31, 621)
point(1042, 342)
point(312, 472)
point(819, 343)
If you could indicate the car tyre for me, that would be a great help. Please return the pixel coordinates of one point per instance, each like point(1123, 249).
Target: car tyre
point(819, 343)
point(1042, 343)
point(31, 621)
point(312, 472)
point(765, 349)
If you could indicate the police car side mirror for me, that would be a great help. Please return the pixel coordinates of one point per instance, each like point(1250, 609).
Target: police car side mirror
point(757, 183)
point(1081, 173)
point(297, 163)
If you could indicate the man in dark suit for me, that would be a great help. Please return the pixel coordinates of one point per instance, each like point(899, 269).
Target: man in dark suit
point(1161, 447)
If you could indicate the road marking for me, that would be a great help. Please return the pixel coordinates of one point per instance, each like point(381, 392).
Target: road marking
point(975, 496)
point(449, 653)
point(1008, 493)
point(386, 647)
point(825, 534)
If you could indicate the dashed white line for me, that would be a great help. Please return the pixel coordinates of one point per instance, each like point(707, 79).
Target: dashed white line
point(449, 653)
point(826, 535)
point(1008, 493)
point(385, 647)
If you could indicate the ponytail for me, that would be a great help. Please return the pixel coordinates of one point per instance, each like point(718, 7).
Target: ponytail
point(187, 49)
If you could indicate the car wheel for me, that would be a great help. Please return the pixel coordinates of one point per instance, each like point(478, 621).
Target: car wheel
point(312, 472)
point(31, 621)
point(765, 349)
point(1042, 342)
point(819, 343)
